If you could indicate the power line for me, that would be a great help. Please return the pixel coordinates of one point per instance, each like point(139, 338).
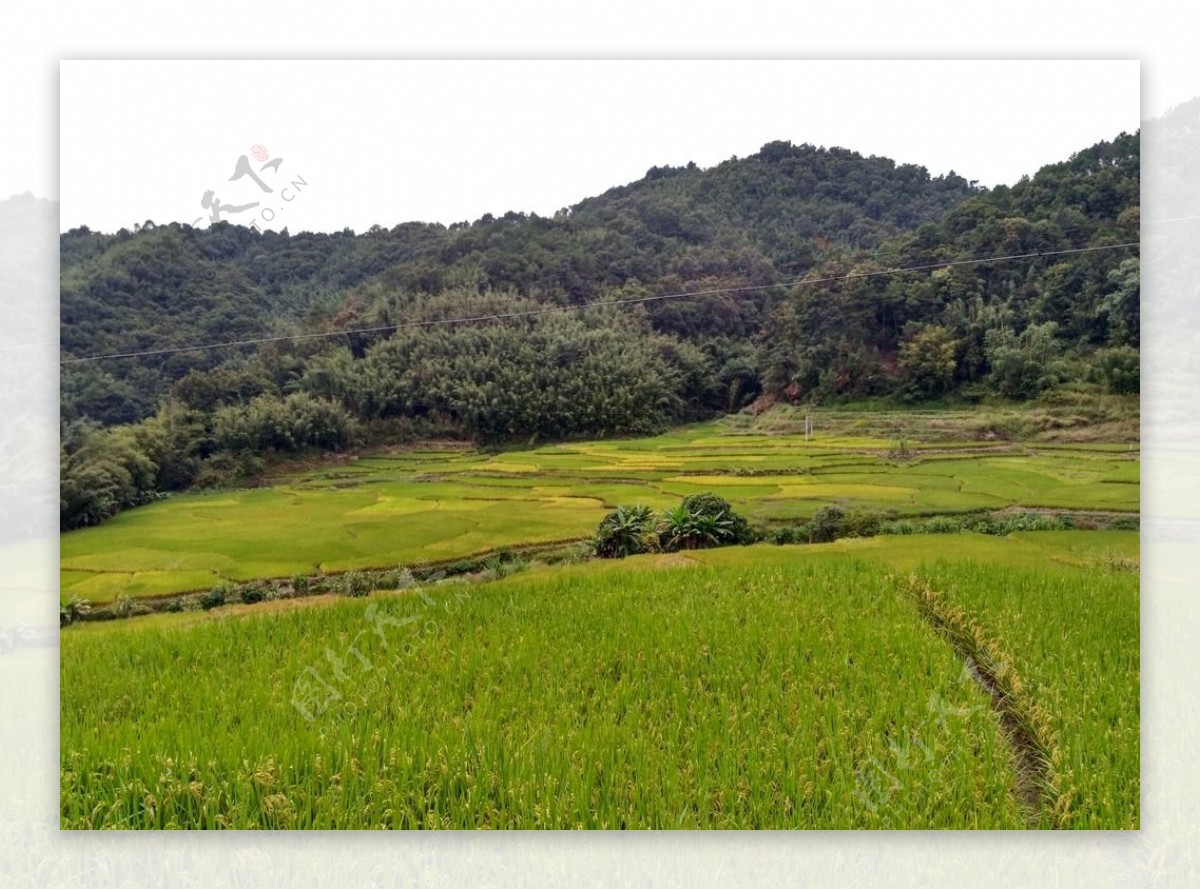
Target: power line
point(1173, 219)
point(547, 310)
point(43, 344)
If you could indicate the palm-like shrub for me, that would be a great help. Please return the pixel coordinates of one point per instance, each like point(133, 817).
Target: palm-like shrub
point(708, 530)
point(681, 529)
point(702, 520)
point(708, 504)
point(626, 531)
point(674, 527)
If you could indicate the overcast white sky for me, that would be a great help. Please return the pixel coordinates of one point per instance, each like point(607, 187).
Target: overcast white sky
point(452, 141)
point(388, 142)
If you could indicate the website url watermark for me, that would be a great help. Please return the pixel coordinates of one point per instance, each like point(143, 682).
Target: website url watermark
point(265, 210)
point(337, 688)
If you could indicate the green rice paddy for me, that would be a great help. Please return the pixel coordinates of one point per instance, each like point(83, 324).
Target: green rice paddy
point(761, 687)
point(403, 506)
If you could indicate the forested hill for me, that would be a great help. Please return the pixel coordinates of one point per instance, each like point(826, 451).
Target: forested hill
point(1060, 304)
point(785, 262)
point(744, 221)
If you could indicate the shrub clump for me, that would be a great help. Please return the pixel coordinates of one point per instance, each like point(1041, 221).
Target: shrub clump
point(572, 555)
point(355, 584)
point(790, 534)
point(127, 607)
point(626, 531)
point(389, 580)
point(253, 594)
point(214, 598)
point(701, 520)
point(944, 525)
point(899, 527)
point(860, 524)
point(826, 524)
point(708, 504)
point(75, 609)
point(461, 567)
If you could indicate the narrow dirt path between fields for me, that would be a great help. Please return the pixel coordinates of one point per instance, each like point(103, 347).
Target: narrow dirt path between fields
point(319, 584)
point(1026, 729)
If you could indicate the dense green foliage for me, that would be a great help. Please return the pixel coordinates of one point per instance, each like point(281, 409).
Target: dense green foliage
point(1013, 326)
point(626, 531)
point(699, 521)
point(786, 262)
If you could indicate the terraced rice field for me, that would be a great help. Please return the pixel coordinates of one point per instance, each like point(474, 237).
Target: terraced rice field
point(402, 506)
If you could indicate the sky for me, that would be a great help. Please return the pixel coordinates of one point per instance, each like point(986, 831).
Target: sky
point(361, 143)
point(507, 142)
